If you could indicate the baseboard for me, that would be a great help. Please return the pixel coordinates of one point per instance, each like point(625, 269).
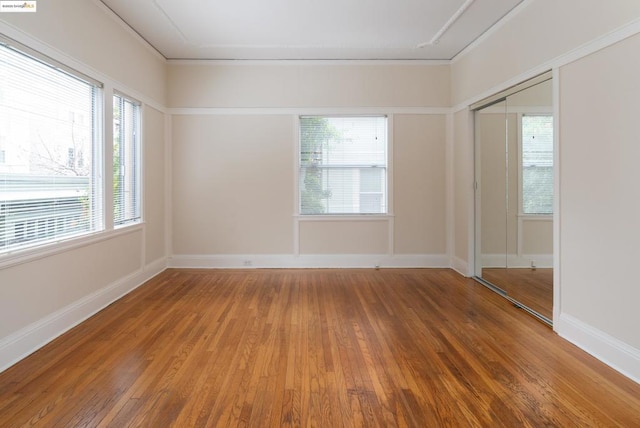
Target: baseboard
point(611, 351)
point(515, 261)
point(27, 340)
point(235, 261)
point(460, 266)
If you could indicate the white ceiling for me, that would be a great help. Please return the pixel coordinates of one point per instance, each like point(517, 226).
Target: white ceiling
point(311, 29)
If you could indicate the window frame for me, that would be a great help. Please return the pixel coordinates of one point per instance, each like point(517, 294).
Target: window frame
point(101, 159)
point(388, 182)
point(44, 238)
point(138, 158)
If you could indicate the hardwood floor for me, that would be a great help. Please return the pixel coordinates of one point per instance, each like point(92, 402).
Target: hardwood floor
point(531, 287)
point(329, 348)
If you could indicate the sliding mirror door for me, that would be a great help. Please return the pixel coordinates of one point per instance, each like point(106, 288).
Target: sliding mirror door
point(491, 196)
point(530, 261)
point(514, 197)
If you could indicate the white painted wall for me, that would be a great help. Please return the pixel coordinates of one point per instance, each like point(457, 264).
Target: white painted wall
point(419, 177)
point(322, 85)
point(154, 185)
point(463, 192)
point(531, 40)
point(597, 233)
point(600, 148)
point(233, 184)
point(84, 31)
point(46, 293)
point(235, 175)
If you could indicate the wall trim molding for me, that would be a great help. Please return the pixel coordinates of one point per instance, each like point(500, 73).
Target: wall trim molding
point(609, 350)
point(307, 62)
point(29, 339)
point(517, 261)
point(307, 111)
point(492, 30)
point(460, 266)
point(307, 261)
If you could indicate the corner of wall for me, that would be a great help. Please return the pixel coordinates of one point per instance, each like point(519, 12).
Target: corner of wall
point(602, 346)
point(29, 339)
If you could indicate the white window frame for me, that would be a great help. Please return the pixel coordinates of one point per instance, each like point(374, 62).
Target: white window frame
point(137, 176)
point(18, 253)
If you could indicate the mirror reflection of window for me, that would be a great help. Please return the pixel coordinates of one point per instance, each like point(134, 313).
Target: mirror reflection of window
point(514, 146)
point(537, 164)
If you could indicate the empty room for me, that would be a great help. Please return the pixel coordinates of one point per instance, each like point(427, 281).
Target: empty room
point(338, 213)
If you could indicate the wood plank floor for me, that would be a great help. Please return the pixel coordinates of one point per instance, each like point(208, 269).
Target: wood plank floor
point(328, 348)
point(531, 287)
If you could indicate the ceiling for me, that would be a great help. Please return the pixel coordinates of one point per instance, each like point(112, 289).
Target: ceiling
point(314, 30)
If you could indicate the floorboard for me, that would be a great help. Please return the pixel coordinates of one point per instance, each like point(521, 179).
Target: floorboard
point(329, 348)
point(531, 287)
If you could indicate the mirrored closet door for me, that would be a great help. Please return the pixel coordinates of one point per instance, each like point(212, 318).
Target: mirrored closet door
point(514, 195)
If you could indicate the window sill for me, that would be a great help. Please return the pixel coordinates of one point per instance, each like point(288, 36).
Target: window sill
point(534, 217)
point(343, 217)
point(18, 257)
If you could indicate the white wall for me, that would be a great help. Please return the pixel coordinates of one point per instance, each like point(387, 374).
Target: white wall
point(600, 148)
point(532, 39)
point(419, 184)
point(597, 233)
point(155, 185)
point(46, 292)
point(463, 192)
point(321, 85)
point(83, 31)
point(234, 164)
point(232, 185)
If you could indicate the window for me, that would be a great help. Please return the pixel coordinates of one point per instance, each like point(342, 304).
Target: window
point(343, 165)
point(46, 192)
point(126, 161)
point(537, 164)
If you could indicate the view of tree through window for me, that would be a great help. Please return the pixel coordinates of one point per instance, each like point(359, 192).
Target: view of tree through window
point(49, 174)
point(537, 164)
point(343, 165)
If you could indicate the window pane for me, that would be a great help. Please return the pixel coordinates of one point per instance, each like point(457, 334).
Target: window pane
point(343, 164)
point(126, 168)
point(537, 164)
point(49, 174)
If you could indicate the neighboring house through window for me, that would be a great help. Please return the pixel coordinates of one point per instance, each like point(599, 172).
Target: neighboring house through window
point(343, 165)
point(46, 194)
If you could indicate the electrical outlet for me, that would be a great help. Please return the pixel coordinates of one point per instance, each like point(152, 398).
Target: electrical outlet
point(247, 263)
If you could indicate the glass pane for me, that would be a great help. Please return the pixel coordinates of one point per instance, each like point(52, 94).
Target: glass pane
point(49, 185)
point(343, 165)
point(491, 197)
point(537, 164)
point(126, 168)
